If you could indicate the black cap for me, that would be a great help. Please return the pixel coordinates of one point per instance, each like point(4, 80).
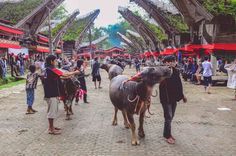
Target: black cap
point(169, 58)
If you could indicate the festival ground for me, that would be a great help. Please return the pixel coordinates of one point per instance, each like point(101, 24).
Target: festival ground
point(199, 127)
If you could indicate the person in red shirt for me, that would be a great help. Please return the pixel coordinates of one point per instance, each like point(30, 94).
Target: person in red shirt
point(52, 87)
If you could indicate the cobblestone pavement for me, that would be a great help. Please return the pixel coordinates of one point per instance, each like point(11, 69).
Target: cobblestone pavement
point(199, 127)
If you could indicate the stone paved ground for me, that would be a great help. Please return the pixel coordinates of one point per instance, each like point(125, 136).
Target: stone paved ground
point(200, 129)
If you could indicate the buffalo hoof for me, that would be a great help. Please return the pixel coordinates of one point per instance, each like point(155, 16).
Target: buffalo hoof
point(141, 134)
point(68, 117)
point(114, 123)
point(135, 143)
point(126, 125)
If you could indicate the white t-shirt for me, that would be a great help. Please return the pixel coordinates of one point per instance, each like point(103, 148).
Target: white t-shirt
point(231, 75)
point(207, 69)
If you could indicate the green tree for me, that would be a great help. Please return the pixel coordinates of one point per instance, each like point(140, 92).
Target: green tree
point(60, 13)
point(14, 12)
point(216, 7)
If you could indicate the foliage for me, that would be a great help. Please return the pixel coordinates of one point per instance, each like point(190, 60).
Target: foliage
point(216, 7)
point(60, 13)
point(14, 12)
point(57, 28)
point(177, 22)
point(75, 30)
point(157, 31)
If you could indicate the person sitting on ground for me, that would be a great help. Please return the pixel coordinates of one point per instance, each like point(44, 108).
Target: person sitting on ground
point(52, 85)
point(96, 73)
point(31, 84)
point(171, 92)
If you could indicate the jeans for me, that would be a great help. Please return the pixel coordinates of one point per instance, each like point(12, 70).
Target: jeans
point(169, 112)
point(30, 96)
point(22, 70)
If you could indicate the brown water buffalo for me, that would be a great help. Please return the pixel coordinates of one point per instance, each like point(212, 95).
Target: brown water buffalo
point(133, 96)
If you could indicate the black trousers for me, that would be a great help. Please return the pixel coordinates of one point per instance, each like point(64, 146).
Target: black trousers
point(169, 112)
point(84, 87)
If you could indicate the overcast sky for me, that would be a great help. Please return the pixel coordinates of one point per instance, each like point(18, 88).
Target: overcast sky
point(109, 9)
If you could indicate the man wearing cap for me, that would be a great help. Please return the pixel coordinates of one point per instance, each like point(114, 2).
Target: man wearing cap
point(171, 92)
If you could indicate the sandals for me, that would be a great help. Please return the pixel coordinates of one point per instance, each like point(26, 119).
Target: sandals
point(29, 111)
point(170, 140)
point(53, 132)
point(56, 128)
point(56, 131)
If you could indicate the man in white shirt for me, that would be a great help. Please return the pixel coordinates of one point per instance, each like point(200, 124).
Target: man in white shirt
point(207, 74)
point(231, 69)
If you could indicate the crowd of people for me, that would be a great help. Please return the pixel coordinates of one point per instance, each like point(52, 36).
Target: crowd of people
point(48, 71)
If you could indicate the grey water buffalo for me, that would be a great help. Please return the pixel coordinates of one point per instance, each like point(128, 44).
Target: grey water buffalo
point(133, 96)
point(112, 70)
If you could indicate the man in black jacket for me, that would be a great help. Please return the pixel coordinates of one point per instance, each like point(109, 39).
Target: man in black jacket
point(171, 92)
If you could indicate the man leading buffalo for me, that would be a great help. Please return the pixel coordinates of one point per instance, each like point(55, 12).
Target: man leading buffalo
point(171, 92)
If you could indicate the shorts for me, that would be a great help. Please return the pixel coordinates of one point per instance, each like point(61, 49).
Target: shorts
point(97, 78)
point(52, 107)
point(207, 81)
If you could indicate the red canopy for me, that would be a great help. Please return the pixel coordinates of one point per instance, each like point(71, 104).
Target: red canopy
point(9, 44)
point(42, 49)
point(148, 54)
point(58, 51)
point(169, 51)
point(156, 54)
point(43, 39)
point(84, 54)
point(126, 55)
point(11, 30)
point(115, 55)
point(114, 49)
point(220, 46)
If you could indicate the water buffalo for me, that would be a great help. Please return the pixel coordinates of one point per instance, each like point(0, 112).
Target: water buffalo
point(133, 96)
point(112, 70)
point(68, 91)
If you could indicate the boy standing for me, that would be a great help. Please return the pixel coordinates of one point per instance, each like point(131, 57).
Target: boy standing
point(171, 92)
point(31, 84)
point(52, 85)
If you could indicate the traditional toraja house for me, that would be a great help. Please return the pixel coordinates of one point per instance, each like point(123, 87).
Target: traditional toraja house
point(169, 20)
point(218, 31)
point(140, 26)
point(159, 16)
point(63, 29)
point(41, 45)
point(32, 23)
point(86, 50)
point(115, 52)
point(71, 47)
point(129, 43)
point(91, 18)
point(10, 37)
point(136, 38)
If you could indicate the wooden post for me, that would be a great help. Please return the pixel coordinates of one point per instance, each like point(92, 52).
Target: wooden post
point(50, 32)
point(90, 43)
